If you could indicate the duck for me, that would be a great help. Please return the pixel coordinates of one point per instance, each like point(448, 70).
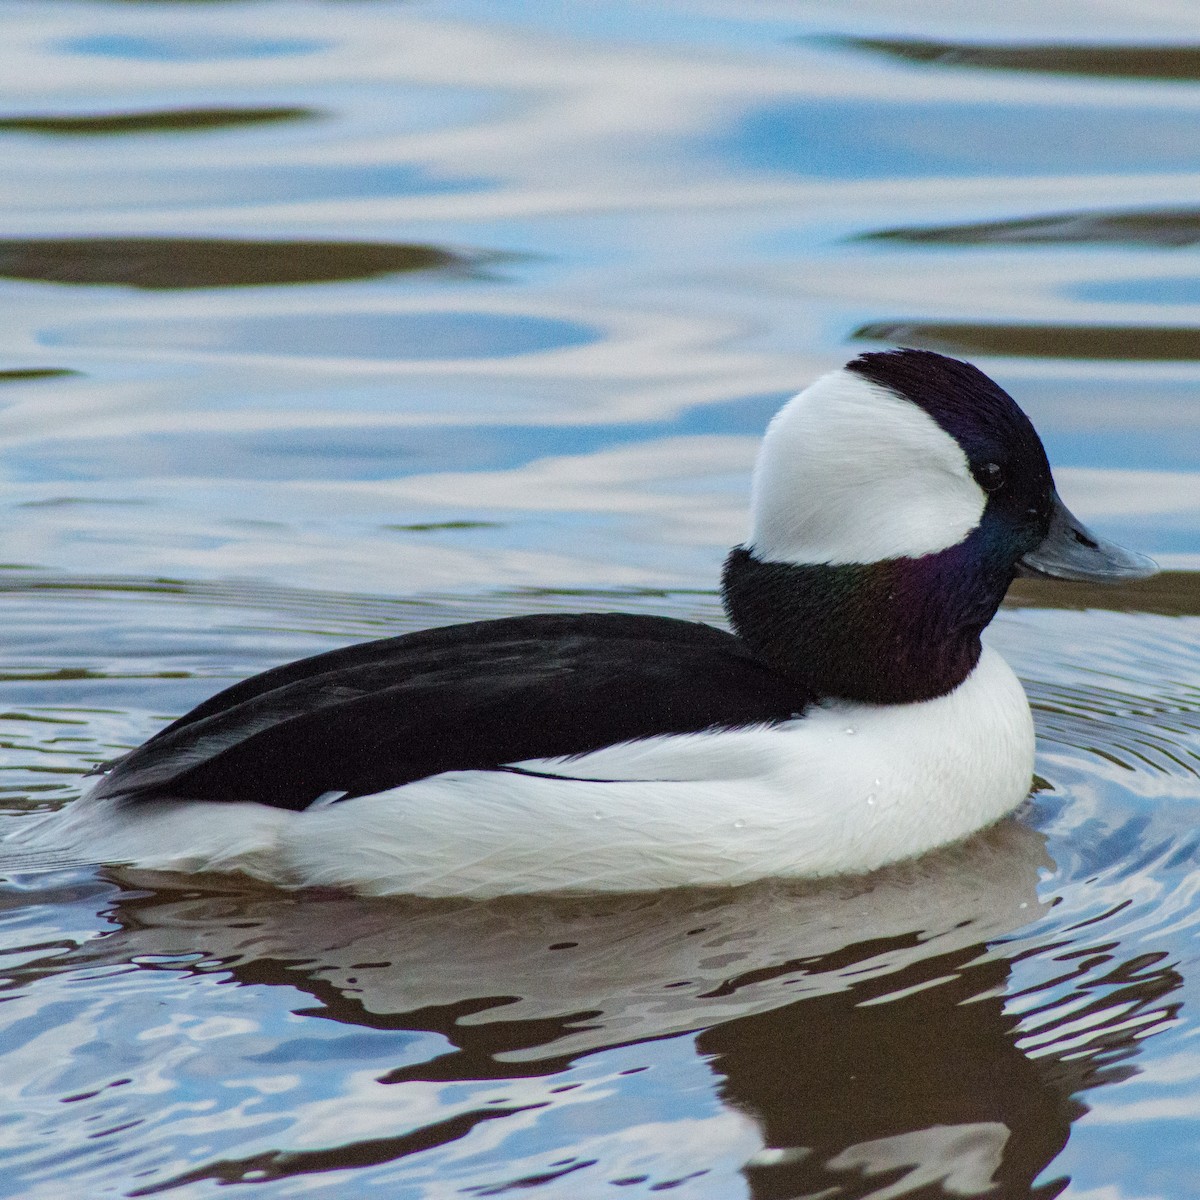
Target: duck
point(850, 717)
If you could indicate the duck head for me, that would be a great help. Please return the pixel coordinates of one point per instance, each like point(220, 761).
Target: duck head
point(893, 502)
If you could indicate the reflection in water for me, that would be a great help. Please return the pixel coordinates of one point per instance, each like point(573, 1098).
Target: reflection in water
point(901, 138)
point(551, 978)
point(187, 46)
point(1116, 62)
point(923, 1082)
point(165, 120)
point(523, 988)
point(861, 1025)
point(161, 263)
point(386, 336)
point(1171, 593)
point(20, 374)
point(435, 526)
point(1131, 343)
point(1154, 289)
point(1142, 227)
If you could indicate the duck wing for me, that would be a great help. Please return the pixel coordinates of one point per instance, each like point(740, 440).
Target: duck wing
point(464, 697)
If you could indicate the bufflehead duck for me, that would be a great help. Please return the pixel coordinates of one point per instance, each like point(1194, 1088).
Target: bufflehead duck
point(851, 720)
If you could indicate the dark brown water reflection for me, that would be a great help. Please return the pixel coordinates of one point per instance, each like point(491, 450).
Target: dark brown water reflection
point(210, 262)
point(1141, 61)
point(1163, 227)
point(1125, 343)
point(168, 120)
point(328, 321)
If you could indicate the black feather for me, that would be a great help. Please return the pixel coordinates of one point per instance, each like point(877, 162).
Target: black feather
point(464, 697)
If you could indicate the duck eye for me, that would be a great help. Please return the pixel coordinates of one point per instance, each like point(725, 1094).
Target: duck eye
point(990, 476)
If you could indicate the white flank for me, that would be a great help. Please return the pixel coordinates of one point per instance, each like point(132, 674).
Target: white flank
point(850, 472)
point(847, 788)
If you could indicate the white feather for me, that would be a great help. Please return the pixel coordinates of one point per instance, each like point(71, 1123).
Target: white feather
point(850, 472)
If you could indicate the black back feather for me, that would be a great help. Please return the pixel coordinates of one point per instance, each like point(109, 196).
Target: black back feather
point(474, 696)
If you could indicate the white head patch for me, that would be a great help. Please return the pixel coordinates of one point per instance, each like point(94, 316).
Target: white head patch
point(850, 472)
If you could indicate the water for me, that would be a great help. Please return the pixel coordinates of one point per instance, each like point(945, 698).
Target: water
point(325, 321)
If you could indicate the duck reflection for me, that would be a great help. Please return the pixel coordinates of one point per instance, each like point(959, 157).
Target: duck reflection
point(888, 1093)
point(861, 1026)
point(932, 1090)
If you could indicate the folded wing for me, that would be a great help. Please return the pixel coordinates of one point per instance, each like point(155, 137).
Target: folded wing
point(465, 697)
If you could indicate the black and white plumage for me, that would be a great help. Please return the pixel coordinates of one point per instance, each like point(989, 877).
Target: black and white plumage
point(459, 698)
point(852, 719)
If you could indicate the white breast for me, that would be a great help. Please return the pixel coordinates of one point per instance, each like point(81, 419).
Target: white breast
point(846, 788)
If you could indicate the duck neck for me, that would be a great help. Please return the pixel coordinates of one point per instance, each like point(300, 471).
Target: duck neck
point(891, 632)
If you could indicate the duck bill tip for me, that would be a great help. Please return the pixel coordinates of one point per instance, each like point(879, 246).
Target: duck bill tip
point(1070, 551)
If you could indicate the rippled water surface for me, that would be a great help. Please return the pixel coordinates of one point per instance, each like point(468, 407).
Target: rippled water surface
point(324, 321)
